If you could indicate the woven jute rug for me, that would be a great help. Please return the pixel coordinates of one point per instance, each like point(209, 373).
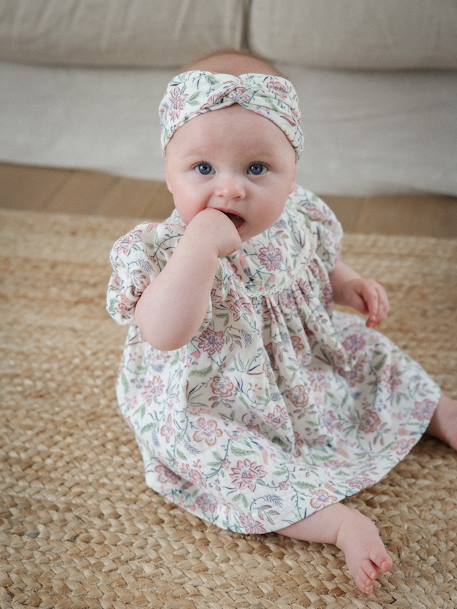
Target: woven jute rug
point(79, 528)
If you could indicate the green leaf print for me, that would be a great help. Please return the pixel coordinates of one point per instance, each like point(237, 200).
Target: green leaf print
point(241, 499)
point(204, 372)
point(193, 99)
point(304, 485)
point(241, 452)
point(147, 427)
point(181, 455)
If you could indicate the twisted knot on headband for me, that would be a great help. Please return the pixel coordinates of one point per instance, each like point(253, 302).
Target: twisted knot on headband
point(190, 94)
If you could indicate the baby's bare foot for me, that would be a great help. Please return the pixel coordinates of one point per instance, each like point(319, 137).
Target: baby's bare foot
point(365, 554)
point(444, 422)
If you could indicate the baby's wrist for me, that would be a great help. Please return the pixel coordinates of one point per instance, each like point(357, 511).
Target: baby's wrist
point(199, 246)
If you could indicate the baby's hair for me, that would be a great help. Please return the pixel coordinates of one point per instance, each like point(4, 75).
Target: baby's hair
point(233, 62)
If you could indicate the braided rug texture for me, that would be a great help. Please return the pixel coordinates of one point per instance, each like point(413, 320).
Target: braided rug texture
point(79, 529)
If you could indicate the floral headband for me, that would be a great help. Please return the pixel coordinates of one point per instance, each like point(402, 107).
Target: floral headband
point(190, 94)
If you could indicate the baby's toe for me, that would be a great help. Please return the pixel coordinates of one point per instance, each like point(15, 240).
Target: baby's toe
point(364, 583)
point(369, 569)
point(381, 559)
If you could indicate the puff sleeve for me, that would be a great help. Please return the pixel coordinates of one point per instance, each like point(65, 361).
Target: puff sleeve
point(133, 271)
point(328, 227)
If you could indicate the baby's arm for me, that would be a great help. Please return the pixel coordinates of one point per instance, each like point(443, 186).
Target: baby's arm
point(173, 306)
point(364, 295)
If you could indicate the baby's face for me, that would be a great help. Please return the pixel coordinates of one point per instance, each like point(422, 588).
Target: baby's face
point(233, 160)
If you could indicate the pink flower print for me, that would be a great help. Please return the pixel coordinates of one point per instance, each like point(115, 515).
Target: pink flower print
point(354, 343)
point(237, 305)
point(238, 94)
point(336, 463)
point(192, 474)
point(278, 416)
point(356, 374)
point(153, 388)
point(279, 88)
point(314, 213)
point(297, 343)
point(404, 446)
point(423, 411)
point(270, 257)
point(177, 103)
point(166, 475)
point(246, 473)
point(124, 244)
point(297, 395)
point(168, 430)
point(327, 294)
point(222, 387)
point(116, 283)
point(322, 498)
point(330, 421)
point(288, 300)
point(208, 432)
point(210, 341)
point(125, 307)
point(392, 375)
point(370, 421)
point(360, 482)
point(250, 525)
point(207, 503)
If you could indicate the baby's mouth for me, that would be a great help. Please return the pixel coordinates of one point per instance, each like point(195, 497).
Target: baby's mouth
point(237, 220)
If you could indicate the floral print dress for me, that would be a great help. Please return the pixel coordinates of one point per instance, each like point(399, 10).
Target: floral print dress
point(278, 406)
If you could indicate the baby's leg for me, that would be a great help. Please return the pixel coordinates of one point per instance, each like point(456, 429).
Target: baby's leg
point(444, 422)
point(355, 534)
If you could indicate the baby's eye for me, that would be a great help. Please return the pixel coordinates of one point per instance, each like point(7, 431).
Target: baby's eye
point(204, 169)
point(257, 169)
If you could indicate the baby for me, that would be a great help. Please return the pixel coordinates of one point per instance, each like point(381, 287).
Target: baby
point(255, 405)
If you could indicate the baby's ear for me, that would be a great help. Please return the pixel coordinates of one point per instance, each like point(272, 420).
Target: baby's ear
point(167, 180)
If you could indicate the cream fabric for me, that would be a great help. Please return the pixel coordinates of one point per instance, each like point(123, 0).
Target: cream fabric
point(390, 34)
point(119, 33)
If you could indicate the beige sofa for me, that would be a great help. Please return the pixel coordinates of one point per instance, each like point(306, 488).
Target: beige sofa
point(81, 81)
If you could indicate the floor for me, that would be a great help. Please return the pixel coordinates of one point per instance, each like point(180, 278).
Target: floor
point(88, 192)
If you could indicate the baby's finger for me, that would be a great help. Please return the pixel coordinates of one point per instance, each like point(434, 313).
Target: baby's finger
point(371, 298)
point(383, 304)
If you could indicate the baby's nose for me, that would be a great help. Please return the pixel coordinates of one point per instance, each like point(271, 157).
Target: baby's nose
point(230, 187)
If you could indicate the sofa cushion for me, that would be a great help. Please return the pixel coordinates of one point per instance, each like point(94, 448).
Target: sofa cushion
point(121, 33)
point(373, 34)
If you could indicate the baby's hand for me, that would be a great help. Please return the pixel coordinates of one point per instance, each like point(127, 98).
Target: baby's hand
point(368, 297)
point(217, 230)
